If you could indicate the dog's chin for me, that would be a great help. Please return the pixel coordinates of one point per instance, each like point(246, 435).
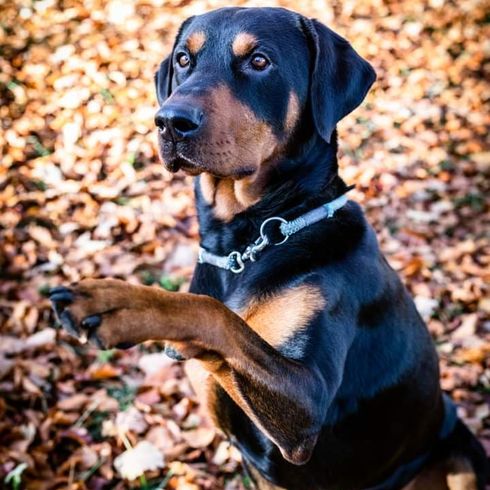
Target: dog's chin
point(177, 157)
point(191, 167)
point(175, 163)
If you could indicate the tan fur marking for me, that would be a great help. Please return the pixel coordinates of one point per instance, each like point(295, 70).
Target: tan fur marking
point(195, 42)
point(207, 183)
point(225, 195)
point(279, 317)
point(461, 475)
point(233, 196)
point(243, 43)
point(201, 381)
point(292, 114)
point(433, 478)
point(452, 474)
point(226, 203)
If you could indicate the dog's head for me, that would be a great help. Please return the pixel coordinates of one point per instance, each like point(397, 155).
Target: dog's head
point(239, 81)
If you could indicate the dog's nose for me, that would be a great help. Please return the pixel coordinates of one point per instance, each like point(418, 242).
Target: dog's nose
point(178, 122)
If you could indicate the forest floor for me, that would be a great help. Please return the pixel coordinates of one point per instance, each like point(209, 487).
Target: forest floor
point(82, 194)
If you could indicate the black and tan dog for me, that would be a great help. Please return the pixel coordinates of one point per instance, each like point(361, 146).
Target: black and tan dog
point(319, 367)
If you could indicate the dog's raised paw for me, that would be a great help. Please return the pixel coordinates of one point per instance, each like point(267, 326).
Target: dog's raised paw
point(62, 298)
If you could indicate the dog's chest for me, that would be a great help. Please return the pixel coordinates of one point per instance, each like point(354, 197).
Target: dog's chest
point(280, 318)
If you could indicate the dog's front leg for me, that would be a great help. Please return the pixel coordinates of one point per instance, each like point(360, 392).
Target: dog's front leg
point(284, 398)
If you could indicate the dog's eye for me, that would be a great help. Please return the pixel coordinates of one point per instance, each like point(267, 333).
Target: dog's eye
point(259, 62)
point(183, 60)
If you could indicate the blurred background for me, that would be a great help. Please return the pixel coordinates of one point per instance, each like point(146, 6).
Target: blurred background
point(82, 194)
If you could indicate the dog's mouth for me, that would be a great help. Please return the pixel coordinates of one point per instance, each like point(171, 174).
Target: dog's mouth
point(181, 162)
point(181, 156)
point(175, 157)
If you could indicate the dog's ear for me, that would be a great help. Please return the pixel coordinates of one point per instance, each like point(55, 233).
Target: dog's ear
point(165, 73)
point(163, 79)
point(340, 78)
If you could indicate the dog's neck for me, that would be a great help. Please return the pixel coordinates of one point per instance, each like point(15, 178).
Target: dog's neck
point(228, 197)
point(291, 186)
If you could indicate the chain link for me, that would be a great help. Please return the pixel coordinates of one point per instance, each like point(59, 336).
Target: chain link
point(237, 260)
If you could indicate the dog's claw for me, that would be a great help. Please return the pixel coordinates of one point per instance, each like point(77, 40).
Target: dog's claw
point(173, 353)
point(61, 295)
point(67, 322)
point(91, 322)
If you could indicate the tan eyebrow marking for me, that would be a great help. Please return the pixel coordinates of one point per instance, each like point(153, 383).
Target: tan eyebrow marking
point(292, 114)
point(195, 42)
point(243, 43)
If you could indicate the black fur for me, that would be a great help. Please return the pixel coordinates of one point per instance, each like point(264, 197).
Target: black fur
point(383, 400)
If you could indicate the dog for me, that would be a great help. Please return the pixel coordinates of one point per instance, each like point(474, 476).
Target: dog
point(319, 368)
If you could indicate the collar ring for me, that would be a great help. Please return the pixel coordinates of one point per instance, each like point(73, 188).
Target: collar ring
point(268, 220)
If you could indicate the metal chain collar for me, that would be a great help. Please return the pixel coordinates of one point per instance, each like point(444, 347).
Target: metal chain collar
point(235, 261)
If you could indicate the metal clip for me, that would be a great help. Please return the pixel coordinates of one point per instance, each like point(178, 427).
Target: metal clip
point(252, 250)
point(236, 258)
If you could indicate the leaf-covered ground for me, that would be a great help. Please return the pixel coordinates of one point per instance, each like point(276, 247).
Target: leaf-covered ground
point(82, 194)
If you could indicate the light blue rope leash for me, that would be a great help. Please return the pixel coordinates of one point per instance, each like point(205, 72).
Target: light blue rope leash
point(235, 261)
point(311, 217)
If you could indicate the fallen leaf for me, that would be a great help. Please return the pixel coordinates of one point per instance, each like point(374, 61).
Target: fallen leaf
point(133, 463)
point(199, 438)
